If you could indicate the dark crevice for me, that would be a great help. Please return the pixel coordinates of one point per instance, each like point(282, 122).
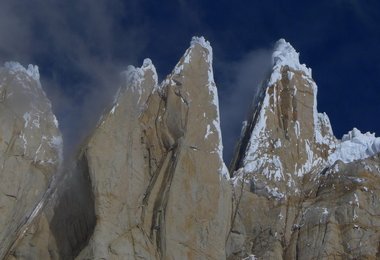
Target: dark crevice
point(74, 218)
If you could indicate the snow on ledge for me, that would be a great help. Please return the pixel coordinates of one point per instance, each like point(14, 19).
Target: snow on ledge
point(31, 71)
point(285, 55)
point(355, 146)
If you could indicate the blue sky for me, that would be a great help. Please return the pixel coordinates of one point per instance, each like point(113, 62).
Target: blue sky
point(81, 46)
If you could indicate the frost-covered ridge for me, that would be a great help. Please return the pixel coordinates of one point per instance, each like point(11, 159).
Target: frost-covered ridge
point(32, 70)
point(285, 55)
point(355, 146)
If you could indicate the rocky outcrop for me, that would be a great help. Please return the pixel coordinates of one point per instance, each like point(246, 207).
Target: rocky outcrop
point(290, 201)
point(30, 150)
point(156, 166)
point(342, 219)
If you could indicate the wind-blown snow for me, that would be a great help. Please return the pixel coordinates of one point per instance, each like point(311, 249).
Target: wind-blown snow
point(135, 75)
point(285, 55)
point(354, 146)
point(31, 71)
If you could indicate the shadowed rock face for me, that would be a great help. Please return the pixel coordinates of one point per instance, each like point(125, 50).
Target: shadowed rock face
point(150, 182)
point(67, 221)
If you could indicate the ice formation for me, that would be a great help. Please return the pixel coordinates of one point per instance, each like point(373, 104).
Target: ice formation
point(355, 145)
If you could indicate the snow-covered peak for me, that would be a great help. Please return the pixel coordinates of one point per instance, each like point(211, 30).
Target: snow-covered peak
point(355, 146)
point(201, 41)
point(285, 55)
point(135, 75)
point(31, 71)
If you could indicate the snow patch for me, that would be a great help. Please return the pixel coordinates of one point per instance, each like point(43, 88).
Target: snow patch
point(25, 142)
point(275, 193)
point(322, 121)
point(297, 129)
point(290, 75)
point(55, 121)
point(208, 131)
point(27, 119)
point(114, 108)
point(277, 143)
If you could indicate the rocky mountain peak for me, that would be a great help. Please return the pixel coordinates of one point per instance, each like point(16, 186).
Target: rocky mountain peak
point(286, 137)
point(150, 181)
point(287, 159)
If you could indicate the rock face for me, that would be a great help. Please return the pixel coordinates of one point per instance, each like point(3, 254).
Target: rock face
point(286, 137)
point(156, 166)
point(30, 149)
point(294, 197)
point(150, 181)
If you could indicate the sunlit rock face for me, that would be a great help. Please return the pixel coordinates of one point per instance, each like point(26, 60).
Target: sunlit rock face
point(30, 149)
point(149, 182)
point(155, 162)
point(291, 200)
point(286, 138)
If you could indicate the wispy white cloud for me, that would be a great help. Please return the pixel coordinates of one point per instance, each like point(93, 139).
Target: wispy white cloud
point(80, 46)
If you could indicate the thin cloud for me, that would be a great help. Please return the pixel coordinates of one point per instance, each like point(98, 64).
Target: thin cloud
point(239, 85)
point(80, 47)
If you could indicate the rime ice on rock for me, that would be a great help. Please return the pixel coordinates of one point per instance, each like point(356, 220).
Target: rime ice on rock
point(31, 71)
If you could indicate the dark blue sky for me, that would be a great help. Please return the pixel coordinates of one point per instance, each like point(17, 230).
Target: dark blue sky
point(80, 46)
